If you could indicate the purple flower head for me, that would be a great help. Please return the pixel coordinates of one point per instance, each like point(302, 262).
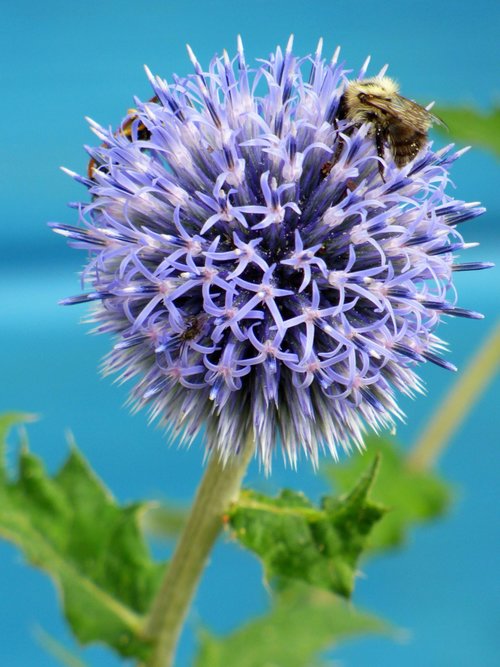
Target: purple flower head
point(249, 288)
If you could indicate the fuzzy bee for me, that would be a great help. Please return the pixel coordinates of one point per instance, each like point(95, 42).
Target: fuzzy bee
point(125, 129)
point(396, 121)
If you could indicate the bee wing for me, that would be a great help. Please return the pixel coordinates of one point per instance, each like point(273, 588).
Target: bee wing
point(403, 110)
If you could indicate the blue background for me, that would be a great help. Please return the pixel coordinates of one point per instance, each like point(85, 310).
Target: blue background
point(62, 60)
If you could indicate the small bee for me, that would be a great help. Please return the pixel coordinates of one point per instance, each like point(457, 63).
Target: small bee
point(125, 129)
point(396, 121)
point(194, 327)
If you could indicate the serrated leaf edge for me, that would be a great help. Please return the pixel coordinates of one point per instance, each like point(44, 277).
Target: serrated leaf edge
point(134, 622)
point(130, 619)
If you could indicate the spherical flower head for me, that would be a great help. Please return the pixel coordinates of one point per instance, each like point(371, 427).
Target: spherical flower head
point(261, 274)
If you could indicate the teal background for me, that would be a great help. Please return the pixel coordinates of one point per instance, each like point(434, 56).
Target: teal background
point(63, 60)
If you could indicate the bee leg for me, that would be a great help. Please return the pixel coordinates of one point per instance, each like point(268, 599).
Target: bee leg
point(339, 144)
point(379, 144)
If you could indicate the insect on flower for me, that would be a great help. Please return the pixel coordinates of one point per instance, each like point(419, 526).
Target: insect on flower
point(396, 120)
point(257, 274)
point(125, 130)
point(193, 328)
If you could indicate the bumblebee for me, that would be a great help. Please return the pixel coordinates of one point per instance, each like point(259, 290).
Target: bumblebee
point(125, 130)
point(396, 121)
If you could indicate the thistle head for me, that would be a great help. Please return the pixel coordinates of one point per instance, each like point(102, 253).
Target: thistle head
point(257, 272)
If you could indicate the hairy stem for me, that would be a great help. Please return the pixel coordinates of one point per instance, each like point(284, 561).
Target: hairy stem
point(219, 487)
point(457, 404)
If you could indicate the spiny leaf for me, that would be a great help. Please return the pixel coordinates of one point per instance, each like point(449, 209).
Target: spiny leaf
point(412, 497)
point(70, 526)
point(296, 540)
point(7, 421)
point(472, 126)
point(303, 622)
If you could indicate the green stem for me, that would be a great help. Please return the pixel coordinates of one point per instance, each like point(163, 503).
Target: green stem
point(457, 404)
point(219, 487)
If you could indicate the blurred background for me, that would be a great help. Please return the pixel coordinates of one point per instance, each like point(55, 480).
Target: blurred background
point(62, 60)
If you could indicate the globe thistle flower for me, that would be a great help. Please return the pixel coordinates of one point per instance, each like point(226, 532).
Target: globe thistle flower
point(251, 289)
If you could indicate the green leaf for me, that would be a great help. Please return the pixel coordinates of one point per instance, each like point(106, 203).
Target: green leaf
point(470, 125)
point(303, 622)
point(165, 521)
point(7, 421)
point(296, 540)
point(412, 497)
point(70, 526)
